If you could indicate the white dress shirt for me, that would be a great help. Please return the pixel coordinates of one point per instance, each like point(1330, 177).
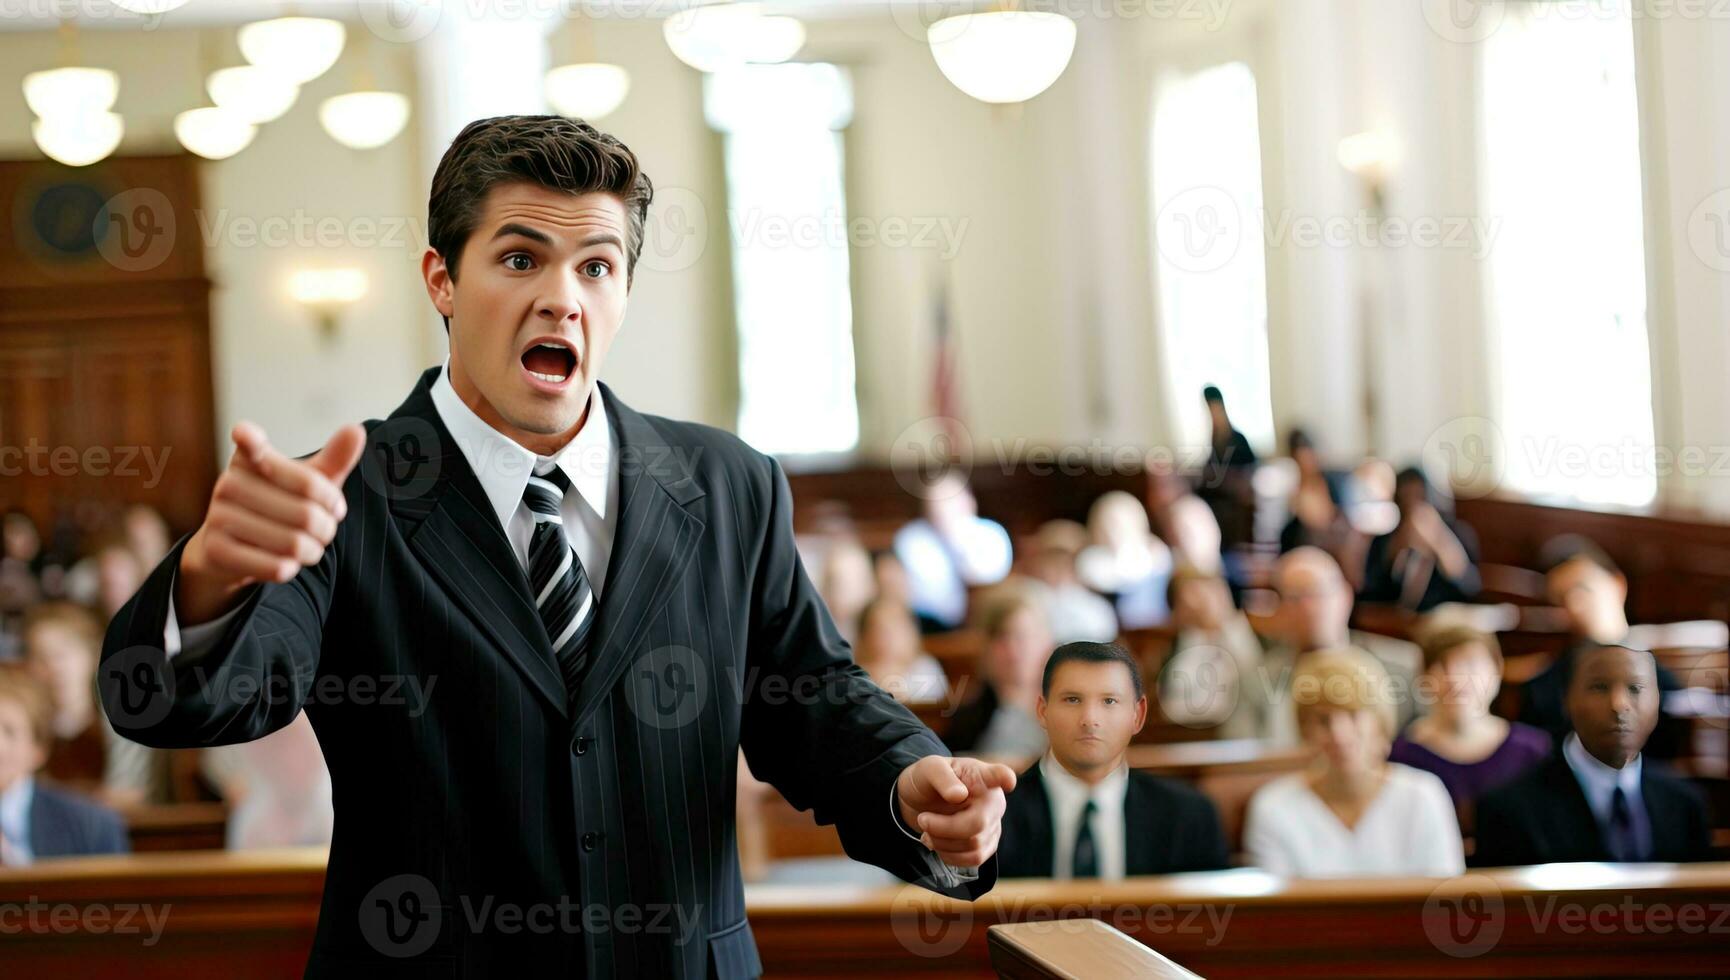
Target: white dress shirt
point(1068, 795)
point(15, 822)
point(1599, 782)
point(591, 513)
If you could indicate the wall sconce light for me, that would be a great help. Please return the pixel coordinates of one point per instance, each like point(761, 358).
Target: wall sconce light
point(327, 293)
point(1372, 156)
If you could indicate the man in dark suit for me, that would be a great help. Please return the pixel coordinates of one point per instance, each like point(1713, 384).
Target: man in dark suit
point(1081, 812)
point(36, 820)
point(533, 627)
point(1598, 800)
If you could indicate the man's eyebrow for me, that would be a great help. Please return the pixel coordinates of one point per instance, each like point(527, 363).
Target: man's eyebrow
point(536, 235)
point(532, 234)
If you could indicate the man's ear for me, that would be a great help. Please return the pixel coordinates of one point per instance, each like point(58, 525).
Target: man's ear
point(440, 287)
point(1039, 710)
point(1140, 713)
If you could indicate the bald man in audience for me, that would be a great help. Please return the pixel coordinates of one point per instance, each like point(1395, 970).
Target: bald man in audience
point(1080, 811)
point(1315, 612)
point(1589, 587)
point(1600, 799)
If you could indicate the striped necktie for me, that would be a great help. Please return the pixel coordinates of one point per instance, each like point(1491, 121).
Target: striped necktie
point(562, 592)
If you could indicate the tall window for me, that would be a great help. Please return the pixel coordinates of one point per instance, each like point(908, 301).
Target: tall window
point(1566, 277)
point(1209, 248)
point(787, 218)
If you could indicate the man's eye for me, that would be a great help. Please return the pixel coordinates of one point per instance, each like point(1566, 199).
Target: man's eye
point(515, 258)
point(590, 269)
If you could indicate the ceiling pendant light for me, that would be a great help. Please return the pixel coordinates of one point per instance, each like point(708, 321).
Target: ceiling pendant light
point(364, 120)
point(70, 91)
point(587, 91)
point(297, 48)
point(78, 139)
point(715, 36)
point(213, 133)
point(1003, 56)
point(255, 94)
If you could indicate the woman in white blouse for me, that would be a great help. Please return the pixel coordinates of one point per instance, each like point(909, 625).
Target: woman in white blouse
point(1353, 813)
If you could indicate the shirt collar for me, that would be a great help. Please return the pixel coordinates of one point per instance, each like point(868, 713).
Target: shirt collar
point(15, 808)
point(1071, 793)
point(1598, 780)
point(503, 467)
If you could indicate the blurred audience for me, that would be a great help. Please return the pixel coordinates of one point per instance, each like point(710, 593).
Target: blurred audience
point(1211, 678)
point(948, 550)
point(1599, 799)
point(1000, 720)
point(847, 581)
point(888, 648)
point(38, 821)
point(277, 788)
point(1469, 749)
point(1074, 611)
point(1315, 612)
point(62, 644)
point(1080, 811)
point(1125, 560)
point(1427, 559)
point(1590, 589)
point(1353, 813)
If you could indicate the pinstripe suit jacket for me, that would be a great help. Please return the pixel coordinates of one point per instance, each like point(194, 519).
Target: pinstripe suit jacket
point(480, 825)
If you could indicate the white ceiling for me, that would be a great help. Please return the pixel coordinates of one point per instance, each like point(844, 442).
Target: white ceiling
point(31, 15)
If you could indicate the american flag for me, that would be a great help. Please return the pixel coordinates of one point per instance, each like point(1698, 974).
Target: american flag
point(945, 387)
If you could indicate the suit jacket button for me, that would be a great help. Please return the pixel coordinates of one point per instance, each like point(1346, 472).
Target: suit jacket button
point(582, 745)
point(589, 840)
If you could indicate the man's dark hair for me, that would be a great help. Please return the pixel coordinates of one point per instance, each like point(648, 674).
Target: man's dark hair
point(1212, 395)
point(1084, 651)
point(1298, 439)
point(562, 154)
point(1564, 548)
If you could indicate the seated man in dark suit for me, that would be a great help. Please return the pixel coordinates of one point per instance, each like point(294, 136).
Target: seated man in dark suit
point(1598, 800)
point(1081, 812)
point(1586, 584)
point(38, 821)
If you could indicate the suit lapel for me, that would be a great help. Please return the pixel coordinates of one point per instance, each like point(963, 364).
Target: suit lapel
point(1042, 838)
point(1139, 830)
point(443, 512)
point(654, 543)
point(1579, 826)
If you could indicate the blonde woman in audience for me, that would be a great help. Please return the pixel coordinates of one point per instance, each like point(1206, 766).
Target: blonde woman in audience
point(1470, 750)
point(1126, 560)
point(62, 643)
point(1213, 676)
point(847, 582)
point(888, 648)
point(1353, 813)
point(1001, 720)
point(1074, 611)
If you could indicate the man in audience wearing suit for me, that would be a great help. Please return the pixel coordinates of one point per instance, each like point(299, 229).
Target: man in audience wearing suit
point(1599, 799)
point(38, 821)
point(1081, 812)
point(534, 627)
point(1589, 587)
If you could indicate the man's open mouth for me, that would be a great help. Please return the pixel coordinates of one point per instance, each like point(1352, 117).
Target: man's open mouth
point(551, 361)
